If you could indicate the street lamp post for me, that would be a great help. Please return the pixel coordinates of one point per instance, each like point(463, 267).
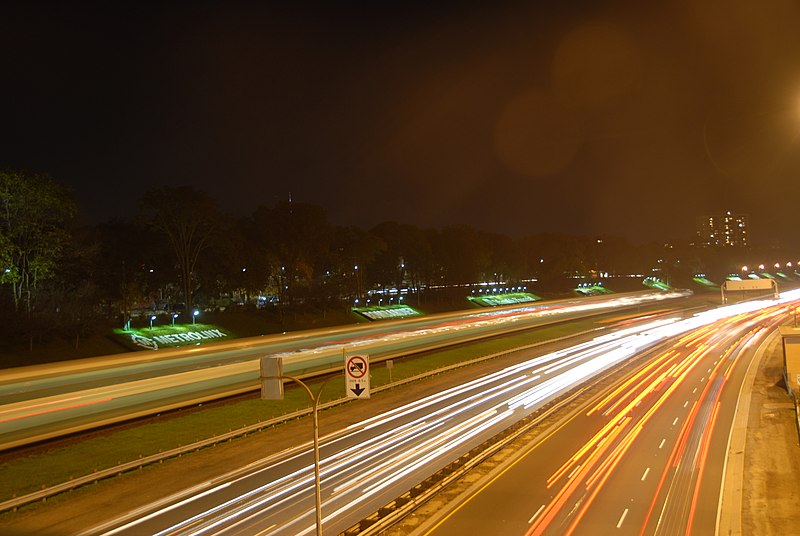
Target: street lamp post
point(174, 316)
point(358, 281)
point(194, 315)
point(315, 411)
point(272, 371)
point(152, 317)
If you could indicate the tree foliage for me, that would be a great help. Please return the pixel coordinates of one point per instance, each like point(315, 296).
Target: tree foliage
point(34, 212)
point(67, 279)
point(297, 237)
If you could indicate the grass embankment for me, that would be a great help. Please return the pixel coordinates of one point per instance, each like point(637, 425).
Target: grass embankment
point(243, 322)
point(22, 475)
point(27, 474)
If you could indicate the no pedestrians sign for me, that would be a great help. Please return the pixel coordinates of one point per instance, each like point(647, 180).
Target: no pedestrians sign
point(356, 376)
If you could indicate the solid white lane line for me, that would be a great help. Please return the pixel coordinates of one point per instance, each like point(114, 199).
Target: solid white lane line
point(534, 516)
point(622, 518)
point(573, 472)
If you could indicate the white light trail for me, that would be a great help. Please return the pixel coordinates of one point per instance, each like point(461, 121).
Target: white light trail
point(438, 426)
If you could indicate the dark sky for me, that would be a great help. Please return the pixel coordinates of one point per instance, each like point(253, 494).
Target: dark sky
point(619, 117)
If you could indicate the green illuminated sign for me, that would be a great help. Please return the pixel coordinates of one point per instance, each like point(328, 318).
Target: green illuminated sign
point(171, 336)
point(386, 312)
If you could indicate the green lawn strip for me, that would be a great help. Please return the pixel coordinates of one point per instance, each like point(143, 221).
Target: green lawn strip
point(25, 475)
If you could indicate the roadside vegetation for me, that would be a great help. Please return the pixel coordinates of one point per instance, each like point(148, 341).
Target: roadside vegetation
point(65, 283)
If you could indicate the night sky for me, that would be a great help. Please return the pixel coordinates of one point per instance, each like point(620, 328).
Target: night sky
point(625, 118)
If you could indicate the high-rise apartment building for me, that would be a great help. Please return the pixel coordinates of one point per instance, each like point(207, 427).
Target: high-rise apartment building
point(725, 230)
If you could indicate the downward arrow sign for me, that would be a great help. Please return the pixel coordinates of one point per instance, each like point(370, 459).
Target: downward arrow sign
point(358, 390)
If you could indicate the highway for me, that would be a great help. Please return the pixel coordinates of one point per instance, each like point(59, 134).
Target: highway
point(41, 402)
point(645, 458)
point(370, 463)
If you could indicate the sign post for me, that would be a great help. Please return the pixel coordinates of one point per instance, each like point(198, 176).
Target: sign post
point(356, 376)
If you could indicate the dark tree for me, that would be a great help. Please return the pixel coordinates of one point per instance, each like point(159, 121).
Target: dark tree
point(465, 255)
point(407, 259)
point(241, 266)
point(359, 250)
point(189, 219)
point(132, 264)
point(297, 237)
point(75, 299)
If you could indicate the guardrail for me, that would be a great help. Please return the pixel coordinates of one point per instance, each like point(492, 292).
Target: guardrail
point(45, 493)
point(243, 374)
point(393, 512)
point(406, 503)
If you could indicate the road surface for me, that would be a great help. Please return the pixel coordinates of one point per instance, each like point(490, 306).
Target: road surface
point(47, 401)
point(644, 458)
point(369, 463)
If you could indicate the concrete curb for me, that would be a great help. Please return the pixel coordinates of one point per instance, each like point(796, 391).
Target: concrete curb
point(729, 512)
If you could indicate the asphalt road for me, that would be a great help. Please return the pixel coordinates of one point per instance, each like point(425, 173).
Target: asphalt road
point(47, 401)
point(369, 463)
point(644, 458)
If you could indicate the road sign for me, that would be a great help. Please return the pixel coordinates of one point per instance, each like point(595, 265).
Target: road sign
point(356, 376)
point(271, 378)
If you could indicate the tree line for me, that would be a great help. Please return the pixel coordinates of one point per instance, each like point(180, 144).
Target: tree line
point(182, 251)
